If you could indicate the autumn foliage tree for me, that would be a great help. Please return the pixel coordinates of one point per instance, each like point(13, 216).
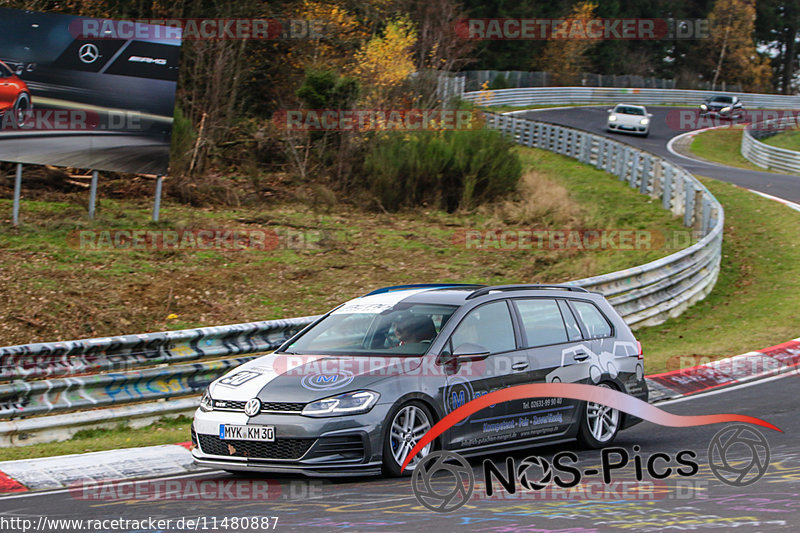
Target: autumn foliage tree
point(733, 48)
point(565, 56)
point(384, 64)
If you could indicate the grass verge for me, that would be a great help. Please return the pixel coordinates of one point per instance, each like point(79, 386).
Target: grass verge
point(55, 289)
point(722, 146)
point(165, 431)
point(789, 140)
point(752, 305)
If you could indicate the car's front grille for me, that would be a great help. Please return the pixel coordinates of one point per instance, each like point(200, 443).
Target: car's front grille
point(343, 447)
point(266, 407)
point(279, 449)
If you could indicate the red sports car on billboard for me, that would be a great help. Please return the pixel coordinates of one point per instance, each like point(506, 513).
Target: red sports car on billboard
point(15, 98)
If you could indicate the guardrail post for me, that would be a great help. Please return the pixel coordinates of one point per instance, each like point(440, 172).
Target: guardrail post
point(622, 164)
point(688, 203)
point(157, 202)
point(586, 149)
point(657, 175)
point(92, 195)
point(17, 194)
point(647, 164)
point(612, 152)
point(601, 153)
point(712, 221)
point(666, 196)
point(635, 169)
point(706, 215)
point(679, 204)
point(697, 215)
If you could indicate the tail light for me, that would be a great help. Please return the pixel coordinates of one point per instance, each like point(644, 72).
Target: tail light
point(640, 352)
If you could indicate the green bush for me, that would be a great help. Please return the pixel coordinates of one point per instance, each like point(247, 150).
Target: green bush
point(183, 138)
point(447, 170)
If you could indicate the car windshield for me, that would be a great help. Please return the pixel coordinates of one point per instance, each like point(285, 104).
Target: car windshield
point(723, 99)
point(629, 110)
point(359, 328)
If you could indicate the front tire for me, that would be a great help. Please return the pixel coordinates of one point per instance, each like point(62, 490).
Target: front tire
point(22, 109)
point(405, 425)
point(599, 424)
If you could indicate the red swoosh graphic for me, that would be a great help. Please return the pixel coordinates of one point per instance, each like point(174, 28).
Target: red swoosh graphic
point(590, 393)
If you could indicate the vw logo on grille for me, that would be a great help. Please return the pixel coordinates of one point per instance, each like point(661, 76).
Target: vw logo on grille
point(252, 407)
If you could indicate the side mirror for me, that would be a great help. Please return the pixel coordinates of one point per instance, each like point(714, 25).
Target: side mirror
point(649, 114)
point(609, 110)
point(470, 352)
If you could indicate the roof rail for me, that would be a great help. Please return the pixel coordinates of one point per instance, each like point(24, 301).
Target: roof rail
point(423, 286)
point(486, 290)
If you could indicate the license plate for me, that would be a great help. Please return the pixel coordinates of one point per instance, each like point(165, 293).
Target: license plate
point(259, 433)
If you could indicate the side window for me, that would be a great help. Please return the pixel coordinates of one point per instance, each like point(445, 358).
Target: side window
point(573, 330)
point(596, 324)
point(4, 72)
point(542, 322)
point(488, 326)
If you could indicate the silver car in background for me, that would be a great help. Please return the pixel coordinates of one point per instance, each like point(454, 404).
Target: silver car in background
point(629, 118)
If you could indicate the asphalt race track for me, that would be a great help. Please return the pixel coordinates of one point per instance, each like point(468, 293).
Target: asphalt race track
point(697, 503)
point(666, 124)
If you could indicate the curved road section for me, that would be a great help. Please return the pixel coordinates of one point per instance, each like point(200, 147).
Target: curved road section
point(667, 123)
point(699, 501)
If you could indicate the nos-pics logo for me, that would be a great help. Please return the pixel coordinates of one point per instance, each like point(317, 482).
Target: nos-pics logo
point(444, 481)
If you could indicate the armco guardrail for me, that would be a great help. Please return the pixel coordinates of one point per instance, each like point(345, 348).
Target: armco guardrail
point(53, 359)
point(528, 96)
point(764, 155)
point(98, 372)
point(646, 294)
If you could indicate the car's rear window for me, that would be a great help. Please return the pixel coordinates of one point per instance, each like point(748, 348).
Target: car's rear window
point(596, 324)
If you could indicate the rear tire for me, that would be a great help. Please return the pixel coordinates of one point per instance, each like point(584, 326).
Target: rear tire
point(405, 425)
point(599, 425)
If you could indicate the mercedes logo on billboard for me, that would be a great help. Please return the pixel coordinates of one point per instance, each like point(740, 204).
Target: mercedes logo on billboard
point(88, 53)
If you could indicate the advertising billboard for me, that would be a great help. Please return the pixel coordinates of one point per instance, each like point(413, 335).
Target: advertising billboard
point(86, 99)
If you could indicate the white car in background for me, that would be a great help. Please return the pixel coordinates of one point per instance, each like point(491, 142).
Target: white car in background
point(630, 119)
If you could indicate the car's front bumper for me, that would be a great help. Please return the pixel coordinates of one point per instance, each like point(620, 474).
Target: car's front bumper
point(629, 128)
point(332, 446)
point(719, 113)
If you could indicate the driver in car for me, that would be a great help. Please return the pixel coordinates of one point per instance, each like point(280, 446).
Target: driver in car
point(415, 329)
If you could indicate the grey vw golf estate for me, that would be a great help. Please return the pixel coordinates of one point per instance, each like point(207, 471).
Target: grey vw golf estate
point(352, 393)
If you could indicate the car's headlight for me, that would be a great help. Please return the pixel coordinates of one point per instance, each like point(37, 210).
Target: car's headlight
point(206, 403)
point(726, 109)
point(644, 121)
point(350, 403)
point(704, 107)
point(612, 118)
